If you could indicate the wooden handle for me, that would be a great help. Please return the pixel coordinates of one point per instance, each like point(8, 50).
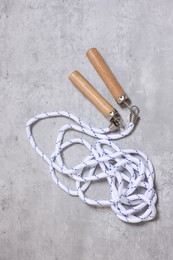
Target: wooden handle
point(91, 93)
point(105, 73)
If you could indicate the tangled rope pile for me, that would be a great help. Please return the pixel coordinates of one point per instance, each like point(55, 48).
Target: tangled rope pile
point(129, 173)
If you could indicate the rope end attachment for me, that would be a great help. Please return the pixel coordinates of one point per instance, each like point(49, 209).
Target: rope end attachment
point(115, 121)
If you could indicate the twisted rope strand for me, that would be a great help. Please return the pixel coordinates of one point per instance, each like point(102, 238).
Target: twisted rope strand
point(129, 173)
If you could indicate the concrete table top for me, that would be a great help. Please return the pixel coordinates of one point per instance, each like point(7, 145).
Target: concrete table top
point(41, 43)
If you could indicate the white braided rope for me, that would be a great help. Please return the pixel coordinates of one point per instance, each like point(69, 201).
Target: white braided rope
point(129, 173)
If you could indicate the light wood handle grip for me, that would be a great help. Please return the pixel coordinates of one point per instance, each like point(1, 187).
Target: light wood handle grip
point(105, 73)
point(91, 93)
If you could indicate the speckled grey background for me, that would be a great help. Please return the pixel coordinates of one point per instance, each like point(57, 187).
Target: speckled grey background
point(41, 43)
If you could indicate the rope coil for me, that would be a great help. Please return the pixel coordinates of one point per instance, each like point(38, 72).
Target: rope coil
point(129, 173)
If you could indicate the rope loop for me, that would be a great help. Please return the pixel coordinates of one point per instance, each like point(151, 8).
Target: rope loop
point(129, 173)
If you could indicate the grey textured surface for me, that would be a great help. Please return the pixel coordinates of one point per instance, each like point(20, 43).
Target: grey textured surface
point(41, 43)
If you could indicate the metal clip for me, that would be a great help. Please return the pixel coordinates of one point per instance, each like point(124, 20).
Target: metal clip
point(115, 120)
point(134, 114)
point(134, 111)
